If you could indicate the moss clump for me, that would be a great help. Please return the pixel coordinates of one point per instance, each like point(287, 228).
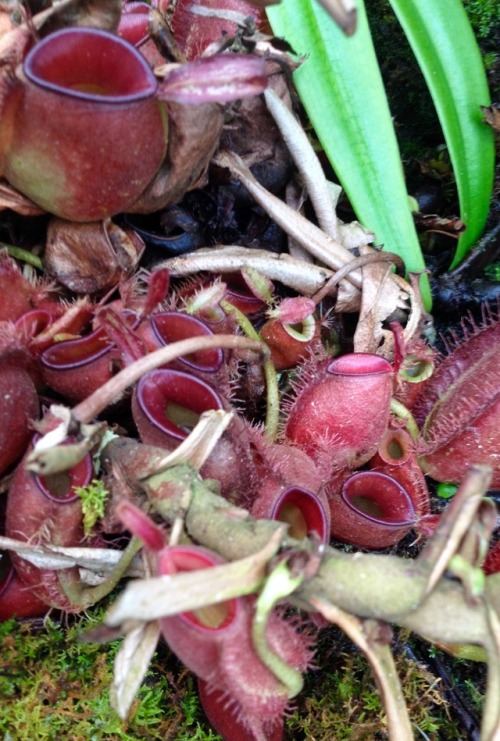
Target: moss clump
point(53, 687)
point(493, 271)
point(94, 497)
point(343, 704)
point(483, 16)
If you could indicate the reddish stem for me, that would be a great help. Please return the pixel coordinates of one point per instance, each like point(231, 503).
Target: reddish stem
point(91, 407)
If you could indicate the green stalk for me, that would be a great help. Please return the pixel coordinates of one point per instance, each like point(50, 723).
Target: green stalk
point(272, 391)
point(279, 584)
point(446, 50)
point(343, 93)
point(23, 255)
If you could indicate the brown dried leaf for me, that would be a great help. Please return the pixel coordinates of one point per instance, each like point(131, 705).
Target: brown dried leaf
point(254, 136)
point(193, 138)
point(131, 665)
point(492, 115)
point(452, 226)
point(380, 297)
point(104, 14)
point(92, 257)
point(11, 198)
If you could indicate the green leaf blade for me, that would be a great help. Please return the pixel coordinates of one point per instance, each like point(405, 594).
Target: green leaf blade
point(342, 91)
point(444, 45)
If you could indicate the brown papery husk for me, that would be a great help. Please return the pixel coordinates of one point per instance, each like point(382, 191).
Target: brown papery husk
point(193, 137)
point(91, 257)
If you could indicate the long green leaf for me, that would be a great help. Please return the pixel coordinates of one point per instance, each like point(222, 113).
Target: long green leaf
point(343, 93)
point(446, 50)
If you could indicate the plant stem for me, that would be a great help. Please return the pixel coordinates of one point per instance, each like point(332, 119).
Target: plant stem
point(307, 163)
point(91, 407)
point(303, 277)
point(272, 391)
point(88, 596)
point(402, 412)
point(23, 255)
point(280, 583)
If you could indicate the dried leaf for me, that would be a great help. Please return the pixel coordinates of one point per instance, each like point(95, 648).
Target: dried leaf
point(15, 201)
point(380, 298)
point(103, 14)
point(343, 12)
point(492, 115)
point(301, 276)
point(490, 728)
point(452, 227)
point(200, 442)
point(307, 163)
point(454, 524)
point(99, 561)
point(353, 235)
point(59, 433)
point(131, 665)
point(193, 137)
point(90, 257)
point(254, 135)
point(151, 599)
point(372, 638)
point(319, 244)
point(57, 458)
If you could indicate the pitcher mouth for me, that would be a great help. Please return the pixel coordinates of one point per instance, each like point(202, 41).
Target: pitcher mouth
point(371, 505)
point(91, 65)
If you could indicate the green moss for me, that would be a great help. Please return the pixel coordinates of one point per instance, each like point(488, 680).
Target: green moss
point(483, 16)
point(54, 687)
point(493, 271)
point(94, 497)
point(343, 703)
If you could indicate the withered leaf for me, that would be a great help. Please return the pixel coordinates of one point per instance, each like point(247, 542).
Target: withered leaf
point(492, 115)
point(379, 299)
point(103, 14)
point(434, 223)
point(343, 12)
point(193, 138)
point(15, 201)
point(90, 257)
point(131, 665)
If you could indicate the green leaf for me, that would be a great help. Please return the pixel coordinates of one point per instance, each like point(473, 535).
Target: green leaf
point(446, 50)
point(342, 91)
